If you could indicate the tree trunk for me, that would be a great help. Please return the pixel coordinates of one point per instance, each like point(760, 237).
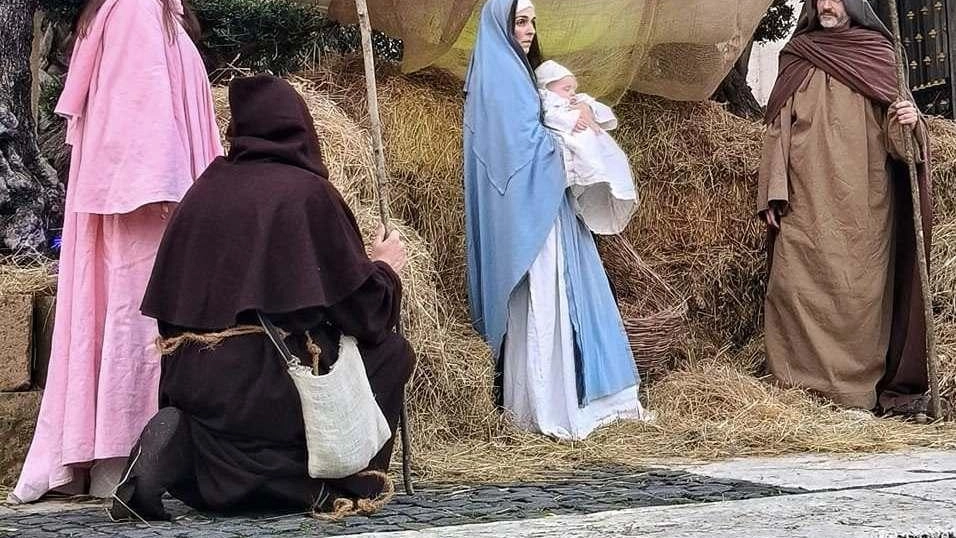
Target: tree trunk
point(736, 93)
point(30, 193)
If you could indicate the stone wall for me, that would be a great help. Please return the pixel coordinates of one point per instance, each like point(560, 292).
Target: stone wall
point(26, 331)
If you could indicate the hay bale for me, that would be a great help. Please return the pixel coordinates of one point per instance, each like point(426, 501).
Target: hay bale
point(946, 353)
point(22, 278)
point(943, 267)
point(943, 137)
point(26, 274)
point(724, 288)
point(422, 118)
point(696, 168)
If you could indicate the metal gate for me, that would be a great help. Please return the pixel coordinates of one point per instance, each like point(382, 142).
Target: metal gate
point(924, 25)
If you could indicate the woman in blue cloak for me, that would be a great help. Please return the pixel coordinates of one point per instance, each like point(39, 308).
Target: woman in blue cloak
point(537, 290)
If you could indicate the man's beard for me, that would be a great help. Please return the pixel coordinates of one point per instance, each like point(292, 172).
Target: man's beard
point(832, 21)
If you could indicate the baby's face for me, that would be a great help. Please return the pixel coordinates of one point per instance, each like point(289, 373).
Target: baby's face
point(566, 87)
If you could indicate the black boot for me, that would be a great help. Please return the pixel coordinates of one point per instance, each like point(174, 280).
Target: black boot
point(160, 458)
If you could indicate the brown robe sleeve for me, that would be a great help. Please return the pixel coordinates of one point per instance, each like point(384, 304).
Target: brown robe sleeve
point(894, 139)
point(773, 182)
point(372, 311)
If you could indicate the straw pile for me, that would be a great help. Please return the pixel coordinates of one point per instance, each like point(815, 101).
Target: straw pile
point(944, 271)
point(422, 122)
point(27, 275)
point(709, 411)
point(943, 263)
point(696, 169)
point(943, 136)
point(944, 300)
point(696, 166)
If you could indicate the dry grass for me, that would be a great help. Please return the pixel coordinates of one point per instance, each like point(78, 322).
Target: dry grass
point(696, 168)
point(27, 274)
point(706, 412)
point(944, 300)
point(946, 351)
point(422, 121)
point(943, 266)
point(943, 136)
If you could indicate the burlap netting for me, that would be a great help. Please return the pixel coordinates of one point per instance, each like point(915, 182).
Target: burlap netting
point(679, 49)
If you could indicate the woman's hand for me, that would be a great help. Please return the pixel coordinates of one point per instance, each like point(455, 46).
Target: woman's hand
point(390, 250)
point(905, 113)
point(586, 119)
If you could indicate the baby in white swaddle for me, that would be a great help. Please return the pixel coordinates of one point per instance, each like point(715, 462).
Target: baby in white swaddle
point(599, 174)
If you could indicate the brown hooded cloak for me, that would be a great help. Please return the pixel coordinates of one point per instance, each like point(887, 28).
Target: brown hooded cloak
point(261, 229)
point(844, 313)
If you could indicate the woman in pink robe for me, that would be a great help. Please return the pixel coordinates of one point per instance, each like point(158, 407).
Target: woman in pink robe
point(142, 126)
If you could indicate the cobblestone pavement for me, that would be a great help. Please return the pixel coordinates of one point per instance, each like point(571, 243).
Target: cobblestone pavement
point(921, 509)
point(433, 506)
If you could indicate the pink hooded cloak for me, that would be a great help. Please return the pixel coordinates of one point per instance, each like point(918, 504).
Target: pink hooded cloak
point(142, 126)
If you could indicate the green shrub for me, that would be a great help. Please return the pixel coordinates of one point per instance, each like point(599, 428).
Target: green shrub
point(278, 36)
point(50, 91)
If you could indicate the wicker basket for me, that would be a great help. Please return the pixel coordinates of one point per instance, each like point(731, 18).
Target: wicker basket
point(652, 311)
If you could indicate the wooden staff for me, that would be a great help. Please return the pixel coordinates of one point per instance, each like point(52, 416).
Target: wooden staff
point(932, 366)
point(381, 185)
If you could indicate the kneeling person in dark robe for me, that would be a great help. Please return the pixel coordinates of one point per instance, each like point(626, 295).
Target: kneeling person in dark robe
point(263, 230)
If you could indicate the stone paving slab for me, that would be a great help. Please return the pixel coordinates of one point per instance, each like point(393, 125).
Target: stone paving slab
point(915, 511)
point(943, 491)
point(588, 492)
point(827, 472)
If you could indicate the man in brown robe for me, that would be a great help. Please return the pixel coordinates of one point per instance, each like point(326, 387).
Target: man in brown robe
point(843, 312)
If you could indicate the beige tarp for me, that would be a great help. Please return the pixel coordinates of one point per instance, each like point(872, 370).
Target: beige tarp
point(680, 49)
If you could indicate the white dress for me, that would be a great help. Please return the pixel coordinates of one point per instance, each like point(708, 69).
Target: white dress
point(540, 388)
point(598, 171)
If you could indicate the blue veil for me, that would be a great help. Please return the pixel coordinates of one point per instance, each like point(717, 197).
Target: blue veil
point(515, 192)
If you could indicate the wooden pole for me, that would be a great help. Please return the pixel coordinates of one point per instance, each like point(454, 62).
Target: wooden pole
point(932, 366)
point(381, 178)
point(374, 118)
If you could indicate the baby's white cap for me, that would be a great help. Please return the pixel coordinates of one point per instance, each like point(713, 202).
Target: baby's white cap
point(551, 71)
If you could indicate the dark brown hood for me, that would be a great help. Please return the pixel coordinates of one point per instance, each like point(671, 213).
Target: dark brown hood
point(262, 229)
point(860, 12)
point(271, 123)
